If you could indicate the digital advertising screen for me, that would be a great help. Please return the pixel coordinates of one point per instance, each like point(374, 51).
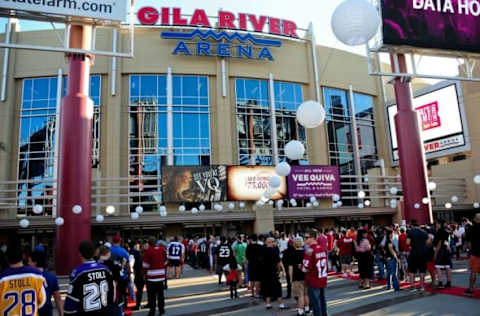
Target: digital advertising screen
point(319, 181)
point(248, 183)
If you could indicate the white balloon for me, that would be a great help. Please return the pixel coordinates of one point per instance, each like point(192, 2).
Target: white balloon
point(134, 216)
point(59, 221)
point(194, 210)
point(283, 169)
point(267, 195)
point(476, 179)
point(393, 203)
point(293, 202)
point(416, 205)
point(448, 205)
point(163, 208)
point(454, 199)
point(216, 207)
point(313, 199)
point(76, 209)
point(355, 22)
point(275, 182)
point(99, 218)
point(231, 206)
point(476, 205)
point(335, 197)
point(334, 205)
point(316, 204)
point(360, 205)
point(220, 207)
point(201, 208)
point(425, 200)
point(393, 190)
point(310, 114)
point(270, 202)
point(182, 208)
point(242, 204)
point(139, 209)
point(163, 214)
point(260, 203)
point(339, 203)
point(24, 223)
point(309, 205)
point(37, 209)
point(110, 209)
point(361, 194)
point(432, 186)
point(294, 150)
point(367, 202)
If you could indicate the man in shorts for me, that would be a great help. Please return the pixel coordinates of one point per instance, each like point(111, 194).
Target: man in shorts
point(473, 239)
point(297, 276)
point(175, 256)
point(443, 259)
point(417, 262)
point(345, 246)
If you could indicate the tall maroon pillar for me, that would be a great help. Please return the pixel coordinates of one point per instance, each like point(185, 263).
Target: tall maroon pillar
point(410, 150)
point(75, 155)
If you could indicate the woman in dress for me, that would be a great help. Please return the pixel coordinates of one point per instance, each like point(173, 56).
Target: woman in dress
point(365, 259)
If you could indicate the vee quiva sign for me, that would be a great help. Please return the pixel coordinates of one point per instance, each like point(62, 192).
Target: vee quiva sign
point(220, 43)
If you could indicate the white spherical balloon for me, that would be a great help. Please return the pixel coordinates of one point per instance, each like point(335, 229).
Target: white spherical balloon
point(76, 209)
point(425, 200)
point(313, 199)
point(231, 206)
point(275, 182)
point(334, 205)
point(270, 203)
point(393, 190)
point(367, 203)
point(110, 209)
point(37, 209)
point(163, 213)
point(339, 203)
point(201, 208)
point(59, 221)
point(309, 205)
point(24, 223)
point(162, 208)
point(454, 199)
point(260, 203)
point(360, 205)
point(476, 179)
point(242, 204)
point(335, 197)
point(432, 186)
point(355, 22)
point(416, 205)
point(194, 210)
point(316, 204)
point(294, 150)
point(182, 208)
point(310, 114)
point(393, 203)
point(283, 169)
point(99, 218)
point(220, 207)
point(293, 202)
point(448, 205)
point(139, 209)
point(134, 216)
point(476, 205)
point(361, 194)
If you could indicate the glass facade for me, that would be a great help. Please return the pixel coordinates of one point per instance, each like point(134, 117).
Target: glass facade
point(148, 130)
point(37, 137)
point(254, 119)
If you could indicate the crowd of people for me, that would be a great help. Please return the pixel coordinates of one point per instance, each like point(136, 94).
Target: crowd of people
point(112, 272)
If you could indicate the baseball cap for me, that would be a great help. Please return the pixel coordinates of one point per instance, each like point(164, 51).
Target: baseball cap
point(116, 239)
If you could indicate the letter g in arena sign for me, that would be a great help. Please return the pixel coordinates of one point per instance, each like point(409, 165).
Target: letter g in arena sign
point(114, 10)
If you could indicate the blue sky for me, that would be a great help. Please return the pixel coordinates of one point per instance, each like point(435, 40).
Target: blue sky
point(318, 12)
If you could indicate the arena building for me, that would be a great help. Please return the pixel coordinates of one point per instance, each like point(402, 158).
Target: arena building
point(220, 87)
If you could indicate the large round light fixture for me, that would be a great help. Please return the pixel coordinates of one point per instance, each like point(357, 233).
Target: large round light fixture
point(432, 186)
point(448, 205)
point(476, 205)
point(425, 200)
point(310, 114)
point(283, 169)
point(355, 22)
point(294, 150)
point(110, 210)
point(361, 194)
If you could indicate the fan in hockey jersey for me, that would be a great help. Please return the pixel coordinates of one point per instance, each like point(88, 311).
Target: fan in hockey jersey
point(175, 253)
point(315, 268)
point(22, 289)
point(223, 255)
point(91, 288)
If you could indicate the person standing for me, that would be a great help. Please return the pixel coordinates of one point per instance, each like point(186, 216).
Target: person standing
point(222, 257)
point(392, 261)
point(417, 261)
point(121, 257)
point(21, 287)
point(174, 255)
point(315, 266)
point(345, 246)
point(139, 278)
point(473, 239)
point(239, 251)
point(365, 259)
point(37, 260)
point(297, 276)
point(271, 286)
point(254, 254)
point(443, 259)
point(404, 249)
point(154, 260)
point(91, 289)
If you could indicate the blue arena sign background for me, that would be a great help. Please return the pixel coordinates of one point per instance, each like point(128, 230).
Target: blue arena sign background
point(248, 46)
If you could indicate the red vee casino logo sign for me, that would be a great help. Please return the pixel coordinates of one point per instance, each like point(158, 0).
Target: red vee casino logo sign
point(225, 19)
point(429, 116)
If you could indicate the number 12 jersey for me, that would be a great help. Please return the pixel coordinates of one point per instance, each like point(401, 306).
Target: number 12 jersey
point(315, 266)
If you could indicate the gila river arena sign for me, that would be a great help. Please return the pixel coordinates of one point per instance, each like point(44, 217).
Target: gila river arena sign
point(432, 24)
point(230, 35)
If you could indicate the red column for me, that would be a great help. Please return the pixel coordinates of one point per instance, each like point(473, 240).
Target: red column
point(75, 155)
point(410, 151)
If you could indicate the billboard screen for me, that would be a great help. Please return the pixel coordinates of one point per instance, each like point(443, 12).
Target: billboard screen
point(441, 122)
point(436, 24)
point(248, 183)
point(194, 184)
point(319, 181)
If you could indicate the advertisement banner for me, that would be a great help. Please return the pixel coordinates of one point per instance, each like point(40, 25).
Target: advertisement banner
point(115, 10)
point(194, 184)
point(441, 123)
point(248, 183)
point(436, 24)
point(319, 181)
